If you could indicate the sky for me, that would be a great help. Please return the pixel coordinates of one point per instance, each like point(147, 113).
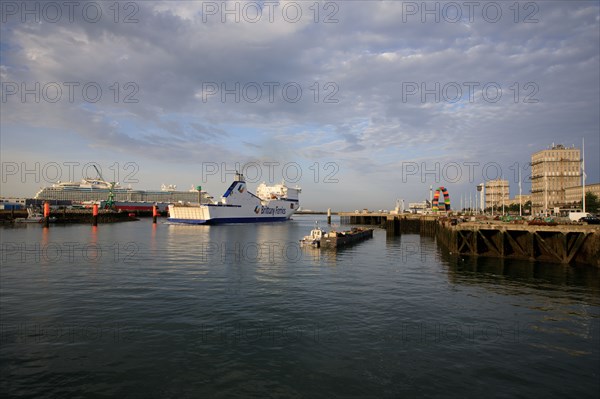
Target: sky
point(360, 103)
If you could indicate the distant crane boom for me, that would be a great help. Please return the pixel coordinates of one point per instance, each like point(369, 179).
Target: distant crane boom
point(98, 171)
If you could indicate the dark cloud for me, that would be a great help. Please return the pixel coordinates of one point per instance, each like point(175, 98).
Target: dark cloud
point(368, 58)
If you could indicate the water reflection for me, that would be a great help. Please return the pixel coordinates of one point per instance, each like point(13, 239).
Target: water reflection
point(518, 276)
point(399, 304)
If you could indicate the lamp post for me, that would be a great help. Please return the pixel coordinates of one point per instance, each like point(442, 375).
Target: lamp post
point(520, 194)
point(470, 202)
point(493, 190)
point(502, 197)
point(480, 190)
point(545, 191)
point(583, 176)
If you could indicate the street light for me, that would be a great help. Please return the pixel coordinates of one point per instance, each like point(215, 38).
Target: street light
point(502, 182)
point(479, 190)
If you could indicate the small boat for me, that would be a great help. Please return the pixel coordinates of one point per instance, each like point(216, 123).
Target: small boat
point(318, 238)
point(314, 238)
point(33, 217)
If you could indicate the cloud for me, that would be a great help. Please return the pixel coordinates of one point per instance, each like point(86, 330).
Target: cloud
point(356, 105)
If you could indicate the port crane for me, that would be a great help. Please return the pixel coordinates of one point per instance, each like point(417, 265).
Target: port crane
point(110, 202)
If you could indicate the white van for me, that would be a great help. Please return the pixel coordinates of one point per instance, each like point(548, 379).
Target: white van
point(575, 216)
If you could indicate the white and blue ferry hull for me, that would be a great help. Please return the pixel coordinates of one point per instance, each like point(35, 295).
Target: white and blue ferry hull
point(275, 211)
point(240, 206)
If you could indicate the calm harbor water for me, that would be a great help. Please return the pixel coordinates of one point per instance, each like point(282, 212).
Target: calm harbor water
point(142, 310)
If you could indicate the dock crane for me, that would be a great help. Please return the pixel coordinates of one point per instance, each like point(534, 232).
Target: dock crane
point(110, 202)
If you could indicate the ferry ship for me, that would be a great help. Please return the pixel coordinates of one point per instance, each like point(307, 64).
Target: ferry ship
point(238, 205)
point(98, 190)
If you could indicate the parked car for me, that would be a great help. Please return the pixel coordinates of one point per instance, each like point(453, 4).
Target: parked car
point(590, 220)
point(574, 216)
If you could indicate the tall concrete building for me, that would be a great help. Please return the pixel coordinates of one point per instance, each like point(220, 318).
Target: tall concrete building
point(552, 171)
point(497, 193)
point(574, 195)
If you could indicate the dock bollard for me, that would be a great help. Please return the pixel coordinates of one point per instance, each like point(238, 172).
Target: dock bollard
point(328, 215)
point(154, 213)
point(95, 215)
point(46, 214)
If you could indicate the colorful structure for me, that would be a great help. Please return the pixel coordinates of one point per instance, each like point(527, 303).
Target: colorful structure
point(436, 199)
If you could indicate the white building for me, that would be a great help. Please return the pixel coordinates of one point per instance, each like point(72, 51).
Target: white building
point(497, 193)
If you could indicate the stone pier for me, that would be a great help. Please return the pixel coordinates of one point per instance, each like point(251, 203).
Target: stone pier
point(569, 243)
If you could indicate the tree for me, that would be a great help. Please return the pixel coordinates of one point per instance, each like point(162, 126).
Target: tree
point(591, 202)
point(514, 207)
point(527, 207)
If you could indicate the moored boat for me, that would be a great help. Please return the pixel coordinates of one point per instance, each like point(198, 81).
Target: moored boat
point(98, 190)
point(34, 217)
point(319, 238)
point(314, 238)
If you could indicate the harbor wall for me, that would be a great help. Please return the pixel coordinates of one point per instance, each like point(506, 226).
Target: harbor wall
point(71, 216)
point(567, 243)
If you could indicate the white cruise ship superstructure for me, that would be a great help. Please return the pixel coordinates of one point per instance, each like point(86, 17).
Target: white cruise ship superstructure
point(99, 190)
point(238, 205)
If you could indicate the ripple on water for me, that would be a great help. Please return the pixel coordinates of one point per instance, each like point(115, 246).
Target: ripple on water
point(389, 317)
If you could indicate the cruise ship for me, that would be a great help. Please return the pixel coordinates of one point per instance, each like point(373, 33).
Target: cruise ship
point(238, 205)
point(98, 190)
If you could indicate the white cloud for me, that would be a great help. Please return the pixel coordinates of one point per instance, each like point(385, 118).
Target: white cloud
point(368, 55)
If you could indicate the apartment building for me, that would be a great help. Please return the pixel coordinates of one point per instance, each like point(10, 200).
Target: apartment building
point(573, 195)
point(553, 170)
point(497, 193)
